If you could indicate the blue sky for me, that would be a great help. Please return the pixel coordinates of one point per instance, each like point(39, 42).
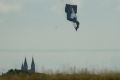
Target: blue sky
point(41, 25)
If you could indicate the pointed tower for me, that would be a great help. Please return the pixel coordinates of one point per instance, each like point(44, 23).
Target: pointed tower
point(25, 66)
point(22, 67)
point(32, 65)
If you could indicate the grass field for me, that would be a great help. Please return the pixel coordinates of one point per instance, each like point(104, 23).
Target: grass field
point(62, 76)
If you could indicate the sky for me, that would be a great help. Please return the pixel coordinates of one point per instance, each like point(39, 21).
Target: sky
point(39, 27)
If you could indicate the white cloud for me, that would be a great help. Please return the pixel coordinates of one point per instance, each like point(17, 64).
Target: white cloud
point(9, 7)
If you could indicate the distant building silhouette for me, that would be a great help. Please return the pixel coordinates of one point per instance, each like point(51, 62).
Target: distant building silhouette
point(24, 67)
point(32, 65)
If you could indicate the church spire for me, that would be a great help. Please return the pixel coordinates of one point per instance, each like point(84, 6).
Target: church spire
point(32, 65)
point(22, 67)
point(25, 68)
